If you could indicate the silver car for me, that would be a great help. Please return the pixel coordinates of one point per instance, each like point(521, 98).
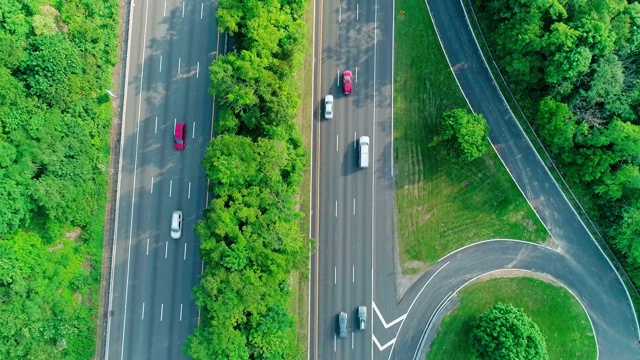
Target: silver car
point(328, 107)
point(342, 324)
point(176, 224)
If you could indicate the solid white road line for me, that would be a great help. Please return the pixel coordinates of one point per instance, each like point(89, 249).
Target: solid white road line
point(133, 187)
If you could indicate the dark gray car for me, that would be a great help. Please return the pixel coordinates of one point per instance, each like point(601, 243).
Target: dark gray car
point(342, 324)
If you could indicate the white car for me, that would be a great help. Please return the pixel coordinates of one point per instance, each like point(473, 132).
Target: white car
point(328, 107)
point(176, 224)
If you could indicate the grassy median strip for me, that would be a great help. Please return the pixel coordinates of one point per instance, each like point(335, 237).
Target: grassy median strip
point(443, 204)
point(557, 313)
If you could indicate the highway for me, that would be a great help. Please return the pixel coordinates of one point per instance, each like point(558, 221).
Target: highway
point(353, 209)
point(151, 312)
point(349, 36)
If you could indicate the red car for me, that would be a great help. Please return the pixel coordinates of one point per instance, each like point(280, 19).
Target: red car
point(347, 79)
point(180, 136)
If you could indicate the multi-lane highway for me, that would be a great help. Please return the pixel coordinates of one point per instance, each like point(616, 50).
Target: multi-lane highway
point(349, 36)
point(171, 45)
point(150, 307)
point(354, 209)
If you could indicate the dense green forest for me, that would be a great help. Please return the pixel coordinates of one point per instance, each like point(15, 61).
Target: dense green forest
point(574, 66)
point(250, 238)
point(56, 59)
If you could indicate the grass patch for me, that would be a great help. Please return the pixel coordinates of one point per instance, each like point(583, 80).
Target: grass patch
point(436, 214)
point(557, 313)
point(300, 281)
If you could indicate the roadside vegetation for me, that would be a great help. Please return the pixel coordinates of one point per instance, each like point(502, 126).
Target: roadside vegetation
point(574, 68)
point(558, 315)
point(443, 203)
point(56, 59)
point(299, 305)
point(250, 236)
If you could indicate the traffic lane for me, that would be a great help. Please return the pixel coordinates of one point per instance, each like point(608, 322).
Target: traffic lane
point(153, 166)
point(124, 211)
point(427, 296)
point(383, 197)
point(331, 265)
point(362, 261)
point(460, 267)
point(337, 243)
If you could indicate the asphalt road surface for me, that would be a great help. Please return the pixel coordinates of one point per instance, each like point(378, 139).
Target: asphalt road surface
point(349, 36)
point(578, 264)
point(172, 44)
point(353, 209)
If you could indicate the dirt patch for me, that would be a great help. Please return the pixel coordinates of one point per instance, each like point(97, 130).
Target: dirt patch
point(73, 234)
point(512, 273)
point(54, 248)
point(50, 11)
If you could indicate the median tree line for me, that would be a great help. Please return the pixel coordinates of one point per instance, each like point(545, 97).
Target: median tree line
point(574, 66)
point(56, 59)
point(250, 238)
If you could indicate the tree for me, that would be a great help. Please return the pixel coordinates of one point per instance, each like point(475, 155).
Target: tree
point(626, 235)
point(466, 133)
point(557, 125)
point(506, 333)
point(608, 80)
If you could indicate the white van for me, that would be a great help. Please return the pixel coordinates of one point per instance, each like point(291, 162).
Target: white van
point(364, 151)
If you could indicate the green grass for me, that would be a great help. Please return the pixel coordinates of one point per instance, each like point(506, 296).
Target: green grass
point(298, 304)
point(436, 215)
point(557, 313)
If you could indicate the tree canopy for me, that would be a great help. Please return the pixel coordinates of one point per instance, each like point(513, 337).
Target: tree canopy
point(56, 59)
point(466, 133)
point(506, 333)
point(573, 66)
point(249, 238)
